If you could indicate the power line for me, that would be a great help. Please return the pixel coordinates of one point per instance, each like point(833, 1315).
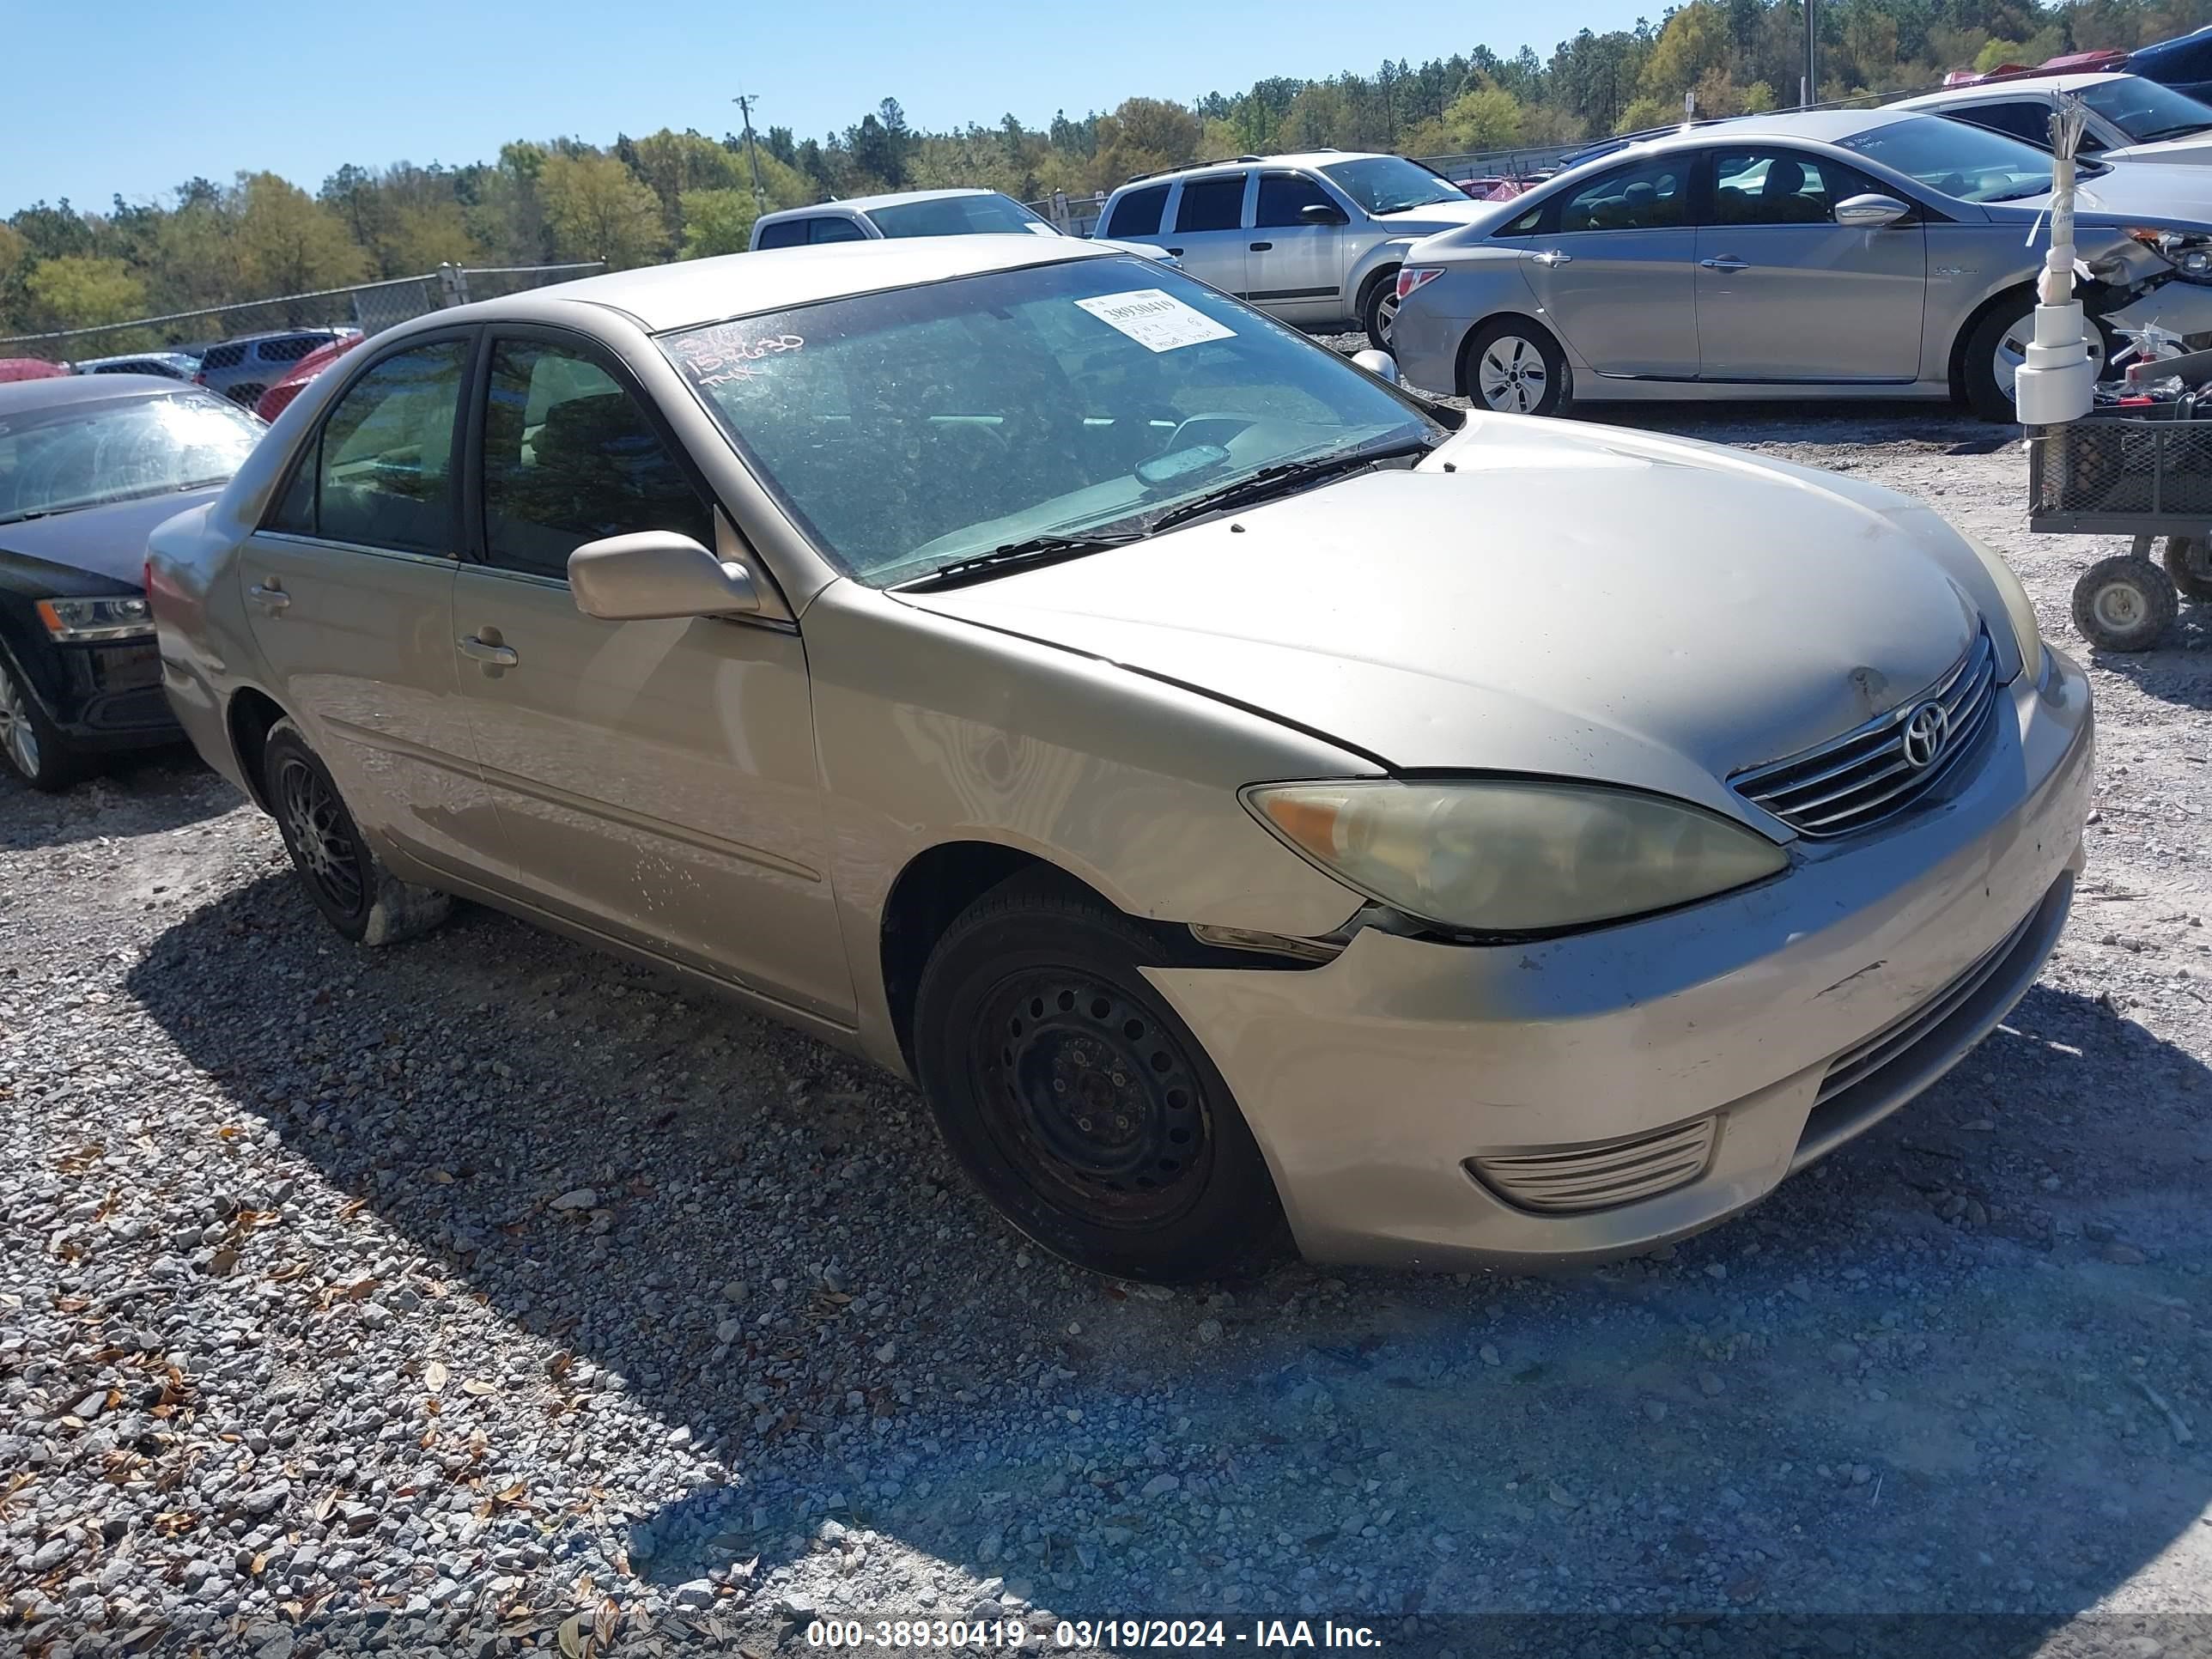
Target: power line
point(745, 101)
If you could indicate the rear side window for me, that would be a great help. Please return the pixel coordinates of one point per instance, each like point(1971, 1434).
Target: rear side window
point(2028, 119)
point(288, 351)
point(223, 356)
point(384, 472)
point(784, 233)
point(1138, 213)
point(1284, 197)
point(1210, 204)
point(836, 230)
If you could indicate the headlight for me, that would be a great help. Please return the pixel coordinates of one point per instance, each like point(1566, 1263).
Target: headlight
point(1509, 856)
point(2027, 635)
point(80, 620)
point(2189, 252)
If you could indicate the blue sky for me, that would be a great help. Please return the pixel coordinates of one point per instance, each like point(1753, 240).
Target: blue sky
point(135, 97)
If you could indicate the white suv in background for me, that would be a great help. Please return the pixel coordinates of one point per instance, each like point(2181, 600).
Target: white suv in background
point(967, 212)
point(1316, 239)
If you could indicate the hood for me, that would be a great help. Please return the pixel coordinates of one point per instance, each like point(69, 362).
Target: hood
point(1144, 250)
point(2165, 194)
point(2195, 150)
point(1575, 602)
point(100, 541)
point(1433, 216)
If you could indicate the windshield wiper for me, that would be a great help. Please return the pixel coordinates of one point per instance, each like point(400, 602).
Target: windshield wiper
point(1026, 553)
point(1283, 479)
point(2178, 129)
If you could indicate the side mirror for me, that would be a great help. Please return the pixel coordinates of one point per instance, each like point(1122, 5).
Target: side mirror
point(1380, 364)
point(1869, 212)
point(655, 573)
point(1321, 213)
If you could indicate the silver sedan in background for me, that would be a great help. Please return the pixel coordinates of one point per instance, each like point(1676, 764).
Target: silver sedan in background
point(1840, 253)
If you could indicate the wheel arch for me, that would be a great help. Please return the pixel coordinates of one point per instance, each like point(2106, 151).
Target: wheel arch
point(1956, 363)
point(248, 719)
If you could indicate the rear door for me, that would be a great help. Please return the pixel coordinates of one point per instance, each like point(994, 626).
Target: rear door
point(1613, 261)
point(349, 594)
point(1785, 294)
point(1295, 270)
point(656, 780)
point(1206, 228)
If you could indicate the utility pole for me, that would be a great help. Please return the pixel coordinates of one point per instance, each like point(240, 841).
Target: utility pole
point(745, 101)
point(1812, 83)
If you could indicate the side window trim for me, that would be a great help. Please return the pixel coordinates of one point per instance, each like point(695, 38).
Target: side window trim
point(310, 451)
point(609, 363)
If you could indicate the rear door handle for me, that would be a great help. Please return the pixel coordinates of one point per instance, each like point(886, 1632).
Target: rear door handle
point(1725, 262)
point(1262, 247)
point(486, 651)
point(269, 596)
point(1552, 257)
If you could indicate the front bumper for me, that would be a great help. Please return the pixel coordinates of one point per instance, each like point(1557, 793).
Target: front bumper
point(101, 695)
point(2183, 307)
point(1378, 1084)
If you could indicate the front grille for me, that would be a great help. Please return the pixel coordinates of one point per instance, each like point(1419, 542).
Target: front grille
point(1855, 1066)
point(1599, 1177)
point(1856, 781)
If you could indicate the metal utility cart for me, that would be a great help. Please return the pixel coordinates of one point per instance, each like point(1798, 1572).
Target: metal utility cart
point(2140, 467)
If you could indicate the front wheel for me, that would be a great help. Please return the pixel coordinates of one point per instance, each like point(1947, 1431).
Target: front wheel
point(1378, 315)
point(1515, 368)
point(2189, 562)
point(349, 885)
point(1997, 350)
point(2125, 604)
point(35, 749)
point(1078, 1102)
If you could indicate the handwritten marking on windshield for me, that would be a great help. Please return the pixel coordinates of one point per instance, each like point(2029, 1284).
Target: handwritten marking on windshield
point(723, 357)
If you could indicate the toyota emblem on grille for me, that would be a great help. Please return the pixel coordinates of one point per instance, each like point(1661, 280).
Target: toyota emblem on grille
point(1926, 732)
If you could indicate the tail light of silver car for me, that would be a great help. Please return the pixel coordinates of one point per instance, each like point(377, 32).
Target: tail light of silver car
point(1413, 276)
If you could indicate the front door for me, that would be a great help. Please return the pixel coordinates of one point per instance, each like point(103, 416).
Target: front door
point(1615, 270)
point(349, 594)
point(1206, 228)
point(1295, 269)
point(1786, 294)
point(657, 779)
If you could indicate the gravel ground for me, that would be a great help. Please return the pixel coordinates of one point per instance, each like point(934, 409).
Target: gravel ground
point(482, 1294)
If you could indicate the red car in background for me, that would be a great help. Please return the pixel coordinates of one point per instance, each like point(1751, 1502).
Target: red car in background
point(278, 397)
point(29, 369)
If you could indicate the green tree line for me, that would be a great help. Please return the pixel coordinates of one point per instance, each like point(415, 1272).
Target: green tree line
point(686, 195)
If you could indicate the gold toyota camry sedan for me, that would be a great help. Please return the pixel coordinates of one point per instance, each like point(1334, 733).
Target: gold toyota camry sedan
point(1243, 796)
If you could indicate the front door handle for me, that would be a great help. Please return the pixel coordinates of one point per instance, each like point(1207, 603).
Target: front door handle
point(269, 596)
point(1724, 262)
point(1176, 252)
point(1262, 247)
point(490, 653)
point(1552, 257)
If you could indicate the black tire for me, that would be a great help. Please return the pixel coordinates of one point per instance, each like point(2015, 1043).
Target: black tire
point(32, 746)
point(2189, 561)
point(1521, 355)
point(2125, 604)
point(1988, 399)
point(1378, 306)
point(1032, 1009)
point(349, 885)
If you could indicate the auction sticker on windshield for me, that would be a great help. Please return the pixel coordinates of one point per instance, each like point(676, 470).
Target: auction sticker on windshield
point(1155, 320)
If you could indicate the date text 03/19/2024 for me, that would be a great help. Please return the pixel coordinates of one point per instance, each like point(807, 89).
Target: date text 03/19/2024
point(1260, 1634)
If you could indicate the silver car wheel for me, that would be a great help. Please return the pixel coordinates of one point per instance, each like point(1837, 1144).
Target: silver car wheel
point(1386, 314)
point(16, 735)
point(1511, 375)
point(2011, 354)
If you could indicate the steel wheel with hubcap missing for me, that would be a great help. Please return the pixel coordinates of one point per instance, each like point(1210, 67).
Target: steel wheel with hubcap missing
point(2125, 604)
point(1075, 1097)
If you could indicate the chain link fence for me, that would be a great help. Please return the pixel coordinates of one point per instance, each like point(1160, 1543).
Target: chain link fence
point(282, 330)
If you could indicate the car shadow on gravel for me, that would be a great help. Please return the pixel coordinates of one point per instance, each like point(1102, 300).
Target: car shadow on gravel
point(2177, 671)
point(132, 794)
point(1937, 1374)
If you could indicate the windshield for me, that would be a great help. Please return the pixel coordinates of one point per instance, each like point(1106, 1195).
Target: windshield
point(1390, 184)
point(1967, 163)
point(910, 430)
point(957, 216)
point(2144, 110)
point(83, 454)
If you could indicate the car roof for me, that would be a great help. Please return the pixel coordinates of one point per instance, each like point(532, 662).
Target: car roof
point(1983, 91)
point(1303, 158)
point(1820, 126)
point(16, 396)
point(867, 203)
point(693, 291)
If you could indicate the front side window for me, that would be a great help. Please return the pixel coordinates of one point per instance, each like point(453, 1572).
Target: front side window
point(1391, 184)
point(2026, 119)
point(784, 233)
point(384, 473)
point(1780, 187)
point(909, 429)
point(957, 215)
point(1283, 198)
point(1645, 195)
point(73, 455)
point(832, 229)
point(1138, 213)
point(1210, 204)
point(568, 457)
point(1952, 158)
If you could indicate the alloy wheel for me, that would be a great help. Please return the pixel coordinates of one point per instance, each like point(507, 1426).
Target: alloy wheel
point(2011, 354)
point(1511, 376)
point(1091, 1098)
point(321, 837)
point(17, 736)
point(1386, 314)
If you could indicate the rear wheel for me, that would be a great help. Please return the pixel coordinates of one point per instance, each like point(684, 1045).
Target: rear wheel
point(1075, 1097)
point(349, 885)
point(2189, 562)
point(2125, 604)
point(35, 750)
point(1516, 367)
